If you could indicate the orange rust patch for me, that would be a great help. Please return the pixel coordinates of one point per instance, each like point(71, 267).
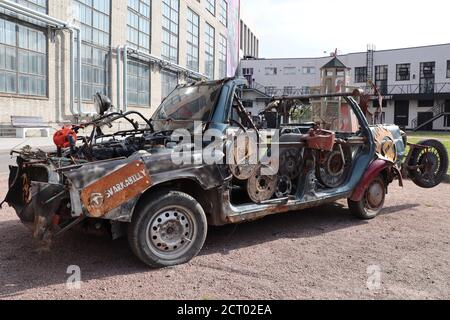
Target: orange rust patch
point(115, 189)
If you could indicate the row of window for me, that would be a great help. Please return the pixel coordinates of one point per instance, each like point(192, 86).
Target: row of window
point(403, 72)
point(381, 72)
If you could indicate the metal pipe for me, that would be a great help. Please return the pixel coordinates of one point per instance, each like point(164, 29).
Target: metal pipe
point(125, 80)
point(80, 99)
point(175, 66)
point(118, 78)
point(13, 6)
point(72, 72)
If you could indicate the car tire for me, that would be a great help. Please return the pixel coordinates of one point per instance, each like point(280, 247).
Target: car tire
point(373, 200)
point(167, 230)
point(439, 172)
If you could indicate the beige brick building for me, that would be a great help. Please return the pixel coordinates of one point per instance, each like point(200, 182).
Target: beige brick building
point(169, 42)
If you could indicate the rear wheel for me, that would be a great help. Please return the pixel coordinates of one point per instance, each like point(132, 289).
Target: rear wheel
point(373, 201)
point(431, 164)
point(168, 230)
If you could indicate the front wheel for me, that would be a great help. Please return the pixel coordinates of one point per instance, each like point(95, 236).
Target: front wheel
point(168, 230)
point(373, 201)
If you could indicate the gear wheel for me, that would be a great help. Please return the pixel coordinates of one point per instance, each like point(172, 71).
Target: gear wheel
point(261, 188)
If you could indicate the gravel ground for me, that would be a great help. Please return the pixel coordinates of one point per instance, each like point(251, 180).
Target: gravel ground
point(316, 254)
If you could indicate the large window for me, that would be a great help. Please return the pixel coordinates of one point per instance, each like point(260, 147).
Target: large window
point(223, 12)
point(271, 71)
point(138, 89)
point(448, 69)
point(170, 30)
point(209, 51)
point(381, 78)
point(309, 70)
point(427, 77)
point(211, 6)
point(23, 59)
point(360, 74)
point(222, 57)
point(193, 30)
point(94, 16)
point(404, 72)
point(169, 81)
point(139, 26)
point(37, 5)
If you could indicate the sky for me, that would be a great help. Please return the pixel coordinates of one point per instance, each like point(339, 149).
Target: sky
point(313, 28)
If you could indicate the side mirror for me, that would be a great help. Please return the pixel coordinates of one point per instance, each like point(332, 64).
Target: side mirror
point(102, 104)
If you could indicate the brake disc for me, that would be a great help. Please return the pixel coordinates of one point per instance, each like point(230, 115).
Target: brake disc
point(334, 170)
point(261, 188)
point(284, 188)
point(291, 162)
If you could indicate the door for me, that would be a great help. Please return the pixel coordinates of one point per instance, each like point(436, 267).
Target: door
point(423, 117)
point(401, 117)
point(427, 77)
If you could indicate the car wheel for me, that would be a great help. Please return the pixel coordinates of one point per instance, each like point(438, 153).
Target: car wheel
point(432, 164)
point(168, 230)
point(373, 201)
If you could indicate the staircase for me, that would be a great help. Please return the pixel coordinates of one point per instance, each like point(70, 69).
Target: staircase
point(438, 113)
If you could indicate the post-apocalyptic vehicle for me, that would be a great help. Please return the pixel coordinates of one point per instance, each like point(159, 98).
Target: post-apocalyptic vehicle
point(128, 181)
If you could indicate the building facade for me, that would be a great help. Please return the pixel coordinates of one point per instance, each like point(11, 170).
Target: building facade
point(249, 42)
point(415, 82)
point(161, 43)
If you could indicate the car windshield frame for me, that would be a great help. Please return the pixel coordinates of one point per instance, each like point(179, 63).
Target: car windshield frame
point(193, 96)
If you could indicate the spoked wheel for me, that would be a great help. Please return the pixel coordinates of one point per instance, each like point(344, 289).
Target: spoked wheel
point(168, 230)
point(430, 164)
point(373, 201)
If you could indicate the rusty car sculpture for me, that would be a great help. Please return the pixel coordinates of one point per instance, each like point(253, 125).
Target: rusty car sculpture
point(128, 182)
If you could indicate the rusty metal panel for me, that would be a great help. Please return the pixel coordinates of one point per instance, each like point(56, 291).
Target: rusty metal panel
point(115, 189)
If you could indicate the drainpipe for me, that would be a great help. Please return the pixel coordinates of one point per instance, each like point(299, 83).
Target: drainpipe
point(125, 80)
point(119, 48)
point(80, 99)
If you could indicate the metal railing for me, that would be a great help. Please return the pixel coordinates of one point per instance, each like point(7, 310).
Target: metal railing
point(436, 110)
point(400, 89)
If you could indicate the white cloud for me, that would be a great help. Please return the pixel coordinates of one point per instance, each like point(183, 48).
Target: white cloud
point(302, 28)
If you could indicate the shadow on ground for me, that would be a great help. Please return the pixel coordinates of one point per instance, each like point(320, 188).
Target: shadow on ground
point(22, 267)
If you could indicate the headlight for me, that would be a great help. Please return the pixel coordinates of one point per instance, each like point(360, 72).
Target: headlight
point(102, 104)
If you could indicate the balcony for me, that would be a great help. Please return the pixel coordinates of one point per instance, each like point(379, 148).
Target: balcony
point(387, 90)
point(414, 89)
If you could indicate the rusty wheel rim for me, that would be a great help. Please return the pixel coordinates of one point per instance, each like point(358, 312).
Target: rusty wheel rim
point(171, 232)
point(375, 195)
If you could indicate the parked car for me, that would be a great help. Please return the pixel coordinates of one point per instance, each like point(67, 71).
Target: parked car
point(128, 181)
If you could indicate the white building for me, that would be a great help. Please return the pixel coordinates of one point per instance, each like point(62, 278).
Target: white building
point(414, 81)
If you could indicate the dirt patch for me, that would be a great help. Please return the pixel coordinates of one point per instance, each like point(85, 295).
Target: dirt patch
point(314, 254)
